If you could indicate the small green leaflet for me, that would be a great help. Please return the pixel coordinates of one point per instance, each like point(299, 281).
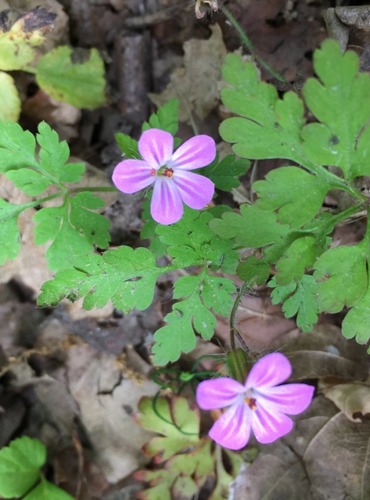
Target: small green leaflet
point(33, 176)
point(9, 230)
point(254, 271)
point(10, 104)
point(54, 155)
point(20, 465)
point(47, 491)
point(253, 227)
point(74, 229)
point(267, 127)
point(225, 173)
point(124, 276)
point(341, 277)
point(298, 257)
point(17, 147)
point(127, 145)
point(179, 425)
point(166, 118)
point(357, 321)
point(337, 100)
point(191, 242)
point(200, 294)
point(74, 78)
point(296, 195)
point(298, 299)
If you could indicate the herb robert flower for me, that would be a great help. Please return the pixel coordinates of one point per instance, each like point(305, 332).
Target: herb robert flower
point(260, 405)
point(170, 173)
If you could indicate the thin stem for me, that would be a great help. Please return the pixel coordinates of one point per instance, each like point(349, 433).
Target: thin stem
point(233, 330)
point(96, 189)
point(32, 204)
point(246, 41)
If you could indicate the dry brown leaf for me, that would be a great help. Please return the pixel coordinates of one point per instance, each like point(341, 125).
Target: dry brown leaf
point(325, 457)
point(106, 402)
point(196, 85)
point(352, 398)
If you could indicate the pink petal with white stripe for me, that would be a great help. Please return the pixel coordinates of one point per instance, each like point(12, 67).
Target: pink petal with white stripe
point(218, 393)
point(197, 152)
point(232, 430)
point(196, 190)
point(166, 205)
point(156, 147)
point(289, 398)
point(268, 427)
point(130, 176)
point(269, 371)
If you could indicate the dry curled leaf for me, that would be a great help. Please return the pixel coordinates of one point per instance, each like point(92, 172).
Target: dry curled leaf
point(196, 84)
point(352, 398)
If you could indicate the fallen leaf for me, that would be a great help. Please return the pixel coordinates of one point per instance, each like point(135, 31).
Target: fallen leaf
point(352, 398)
point(106, 402)
point(196, 84)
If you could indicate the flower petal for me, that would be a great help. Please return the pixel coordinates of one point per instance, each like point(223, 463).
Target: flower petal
point(269, 371)
point(166, 205)
point(289, 398)
point(232, 430)
point(197, 152)
point(130, 176)
point(268, 427)
point(218, 393)
point(156, 147)
point(196, 190)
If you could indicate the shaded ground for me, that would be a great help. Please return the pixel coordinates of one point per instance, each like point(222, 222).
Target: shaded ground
point(71, 378)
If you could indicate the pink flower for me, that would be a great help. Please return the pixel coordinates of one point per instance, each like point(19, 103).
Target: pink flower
point(260, 405)
point(169, 171)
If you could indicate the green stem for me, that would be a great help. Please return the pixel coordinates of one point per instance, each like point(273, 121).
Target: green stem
point(33, 204)
point(97, 189)
point(233, 330)
point(246, 41)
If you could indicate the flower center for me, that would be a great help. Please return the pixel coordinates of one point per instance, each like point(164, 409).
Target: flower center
point(165, 171)
point(251, 402)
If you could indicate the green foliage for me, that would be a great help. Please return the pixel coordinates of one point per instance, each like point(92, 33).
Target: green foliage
point(76, 78)
point(127, 145)
point(267, 127)
point(17, 147)
point(286, 223)
point(10, 104)
point(124, 276)
point(294, 194)
point(20, 465)
point(191, 242)
point(47, 491)
point(253, 227)
point(341, 277)
point(166, 118)
point(188, 460)
point(74, 229)
point(20, 470)
point(200, 294)
point(356, 323)
point(225, 173)
point(178, 424)
point(337, 101)
point(9, 230)
point(29, 173)
point(298, 299)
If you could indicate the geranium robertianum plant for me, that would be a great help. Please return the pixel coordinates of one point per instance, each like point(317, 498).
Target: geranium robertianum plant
point(287, 231)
